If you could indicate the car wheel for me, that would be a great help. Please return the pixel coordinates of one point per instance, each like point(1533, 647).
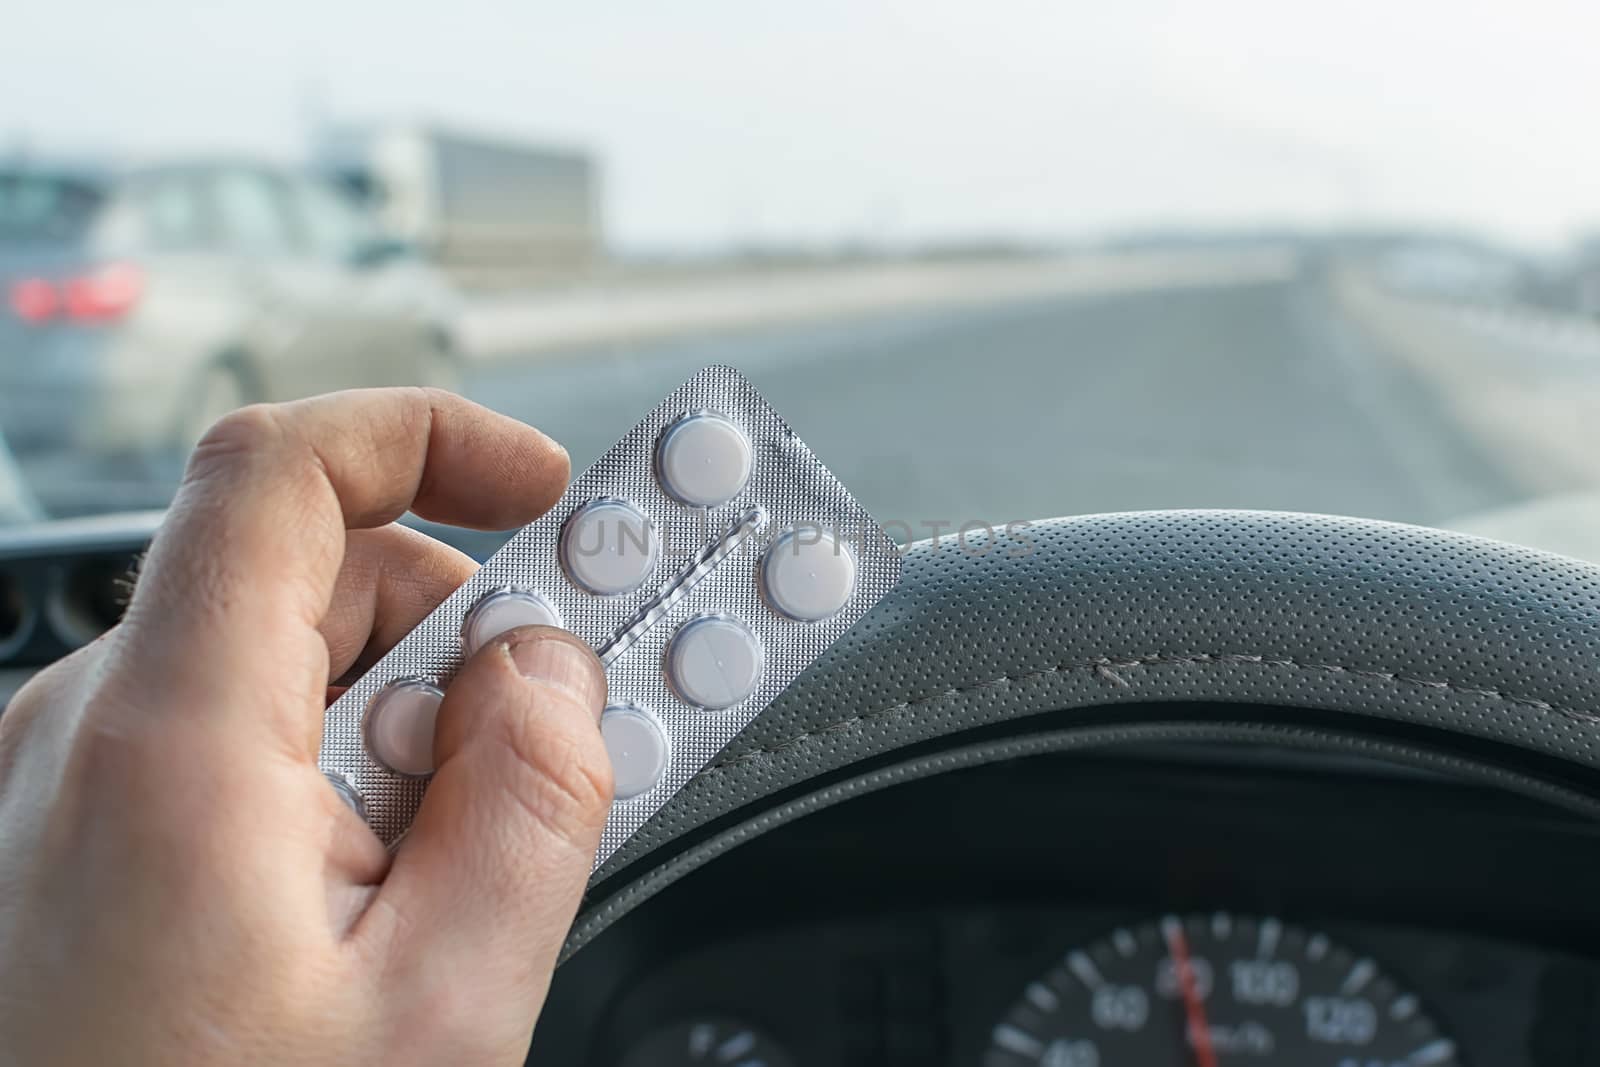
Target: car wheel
point(220, 387)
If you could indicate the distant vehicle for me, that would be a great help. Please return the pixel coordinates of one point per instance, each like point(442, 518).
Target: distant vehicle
point(1567, 282)
point(489, 210)
point(141, 305)
point(1586, 278)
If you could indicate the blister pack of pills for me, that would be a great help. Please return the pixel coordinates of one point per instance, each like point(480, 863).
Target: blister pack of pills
point(708, 558)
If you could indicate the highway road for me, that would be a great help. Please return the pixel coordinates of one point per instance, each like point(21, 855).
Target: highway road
point(1261, 391)
point(1261, 395)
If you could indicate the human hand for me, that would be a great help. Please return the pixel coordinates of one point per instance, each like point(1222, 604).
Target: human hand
point(179, 883)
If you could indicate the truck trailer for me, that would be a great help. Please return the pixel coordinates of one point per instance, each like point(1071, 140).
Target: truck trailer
point(490, 211)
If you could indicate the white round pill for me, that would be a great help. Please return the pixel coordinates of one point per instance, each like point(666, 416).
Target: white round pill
point(714, 661)
point(399, 725)
point(637, 746)
point(502, 610)
point(609, 547)
point(347, 792)
point(809, 574)
point(703, 460)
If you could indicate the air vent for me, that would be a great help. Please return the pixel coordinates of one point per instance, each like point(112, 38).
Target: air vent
point(89, 598)
point(16, 615)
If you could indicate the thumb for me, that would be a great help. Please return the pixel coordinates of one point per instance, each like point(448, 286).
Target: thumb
point(488, 879)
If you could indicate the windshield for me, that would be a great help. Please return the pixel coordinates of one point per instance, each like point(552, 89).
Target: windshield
point(995, 262)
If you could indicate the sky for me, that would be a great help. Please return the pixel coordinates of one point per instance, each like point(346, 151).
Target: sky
point(819, 121)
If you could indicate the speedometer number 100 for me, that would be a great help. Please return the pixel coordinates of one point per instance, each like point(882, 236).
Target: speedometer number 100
point(1216, 991)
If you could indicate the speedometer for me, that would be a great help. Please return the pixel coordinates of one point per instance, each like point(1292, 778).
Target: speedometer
point(1216, 991)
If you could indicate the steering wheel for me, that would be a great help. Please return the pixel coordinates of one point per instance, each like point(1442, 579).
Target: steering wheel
point(1410, 644)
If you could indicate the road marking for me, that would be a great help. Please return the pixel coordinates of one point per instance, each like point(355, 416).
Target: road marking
point(1083, 967)
point(1271, 932)
point(1433, 1052)
point(1042, 997)
point(1021, 1042)
point(1126, 943)
point(1403, 1008)
point(1317, 947)
point(1222, 926)
point(1359, 976)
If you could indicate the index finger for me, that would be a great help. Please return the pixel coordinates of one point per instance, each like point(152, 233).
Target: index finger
point(242, 571)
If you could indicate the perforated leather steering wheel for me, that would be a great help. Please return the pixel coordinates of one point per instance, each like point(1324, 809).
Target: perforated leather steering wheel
point(1406, 643)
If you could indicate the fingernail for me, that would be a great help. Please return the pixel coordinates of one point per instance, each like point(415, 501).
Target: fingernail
point(562, 664)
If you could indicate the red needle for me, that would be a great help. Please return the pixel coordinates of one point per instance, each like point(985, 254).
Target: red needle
point(1194, 1008)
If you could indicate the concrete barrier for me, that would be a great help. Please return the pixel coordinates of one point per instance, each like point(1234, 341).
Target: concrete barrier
point(1525, 381)
point(645, 308)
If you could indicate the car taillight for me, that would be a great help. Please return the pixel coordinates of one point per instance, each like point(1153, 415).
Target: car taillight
point(34, 299)
point(100, 295)
point(107, 292)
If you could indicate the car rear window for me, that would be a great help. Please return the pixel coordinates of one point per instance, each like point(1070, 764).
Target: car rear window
point(45, 207)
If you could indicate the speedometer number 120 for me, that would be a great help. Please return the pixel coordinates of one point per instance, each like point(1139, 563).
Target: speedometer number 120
point(1216, 991)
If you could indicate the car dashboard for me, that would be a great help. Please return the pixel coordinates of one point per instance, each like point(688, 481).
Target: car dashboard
point(1333, 911)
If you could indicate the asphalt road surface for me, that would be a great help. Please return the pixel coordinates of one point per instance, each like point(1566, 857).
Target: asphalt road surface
point(1261, 395)
point(1258, 396)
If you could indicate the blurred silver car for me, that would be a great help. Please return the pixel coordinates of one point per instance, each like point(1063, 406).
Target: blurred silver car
point(141, 305)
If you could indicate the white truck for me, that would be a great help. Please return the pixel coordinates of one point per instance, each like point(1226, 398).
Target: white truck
point(490, 211)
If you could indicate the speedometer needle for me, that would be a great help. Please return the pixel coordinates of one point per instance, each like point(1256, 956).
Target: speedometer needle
point(1194, 1008)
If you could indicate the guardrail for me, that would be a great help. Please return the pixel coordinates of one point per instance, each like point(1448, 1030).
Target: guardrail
point(1524, 380)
